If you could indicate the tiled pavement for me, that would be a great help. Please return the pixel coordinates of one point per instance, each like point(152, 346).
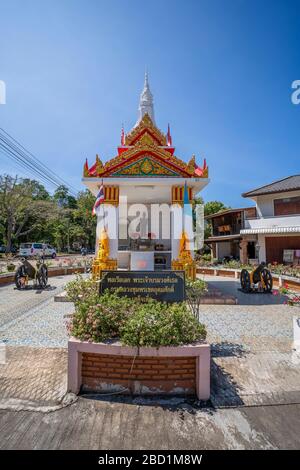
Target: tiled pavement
point(31, 318)
point(32, 328)
point(258, 323)
point(33, 377)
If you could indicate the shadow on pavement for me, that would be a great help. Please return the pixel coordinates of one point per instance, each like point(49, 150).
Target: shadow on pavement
point(225, 349)
point(38, 290)
point(231, 287)
point(224, 389)
point(181, 404)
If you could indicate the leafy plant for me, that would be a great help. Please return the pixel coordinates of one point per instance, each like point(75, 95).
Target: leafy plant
point(292, 298)
point(159, 324)
point(102, 320)
point(82, 290)
point(194, 293)
point(136, 322)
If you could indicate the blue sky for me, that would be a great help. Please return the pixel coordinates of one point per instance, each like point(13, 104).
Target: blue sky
point(220, 71)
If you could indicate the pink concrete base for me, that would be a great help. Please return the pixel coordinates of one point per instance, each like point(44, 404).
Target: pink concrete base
point(200, 351)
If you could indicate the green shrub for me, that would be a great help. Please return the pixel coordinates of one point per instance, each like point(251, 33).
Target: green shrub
point(103, 320)
point(136, 322)
point(159, 324)
point(82, 290)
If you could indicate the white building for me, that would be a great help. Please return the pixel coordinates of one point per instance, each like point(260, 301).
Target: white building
point(276, 226)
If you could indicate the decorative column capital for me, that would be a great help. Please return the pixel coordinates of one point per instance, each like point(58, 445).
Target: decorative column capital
point(178, 194)
point(111, 195)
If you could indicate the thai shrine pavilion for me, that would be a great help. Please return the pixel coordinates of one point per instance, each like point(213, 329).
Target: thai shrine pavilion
point(144, 171)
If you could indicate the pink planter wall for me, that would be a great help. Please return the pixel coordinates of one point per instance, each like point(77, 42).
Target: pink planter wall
point(98, 367)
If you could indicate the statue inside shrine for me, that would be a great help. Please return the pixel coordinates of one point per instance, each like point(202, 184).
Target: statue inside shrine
point(184, 250)
point(103, 251)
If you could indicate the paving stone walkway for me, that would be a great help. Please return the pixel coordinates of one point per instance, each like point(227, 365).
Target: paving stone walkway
point(258, 323)
point(31, 318)
point(33, 377)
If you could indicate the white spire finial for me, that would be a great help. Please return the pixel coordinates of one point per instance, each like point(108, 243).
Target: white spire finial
point(146, 102)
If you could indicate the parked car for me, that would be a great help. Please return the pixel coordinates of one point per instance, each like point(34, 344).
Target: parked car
point(13, 249)
point(37, 249)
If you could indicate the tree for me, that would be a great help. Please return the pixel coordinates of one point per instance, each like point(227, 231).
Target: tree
point(21, 213)
point(212, 207)
point(63, 198)
point(83, 216)
point(38, 191)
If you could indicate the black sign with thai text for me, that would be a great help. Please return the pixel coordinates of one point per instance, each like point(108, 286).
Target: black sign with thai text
point(165, 286)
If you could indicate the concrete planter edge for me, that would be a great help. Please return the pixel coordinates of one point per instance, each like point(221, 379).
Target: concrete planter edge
point(200, 351)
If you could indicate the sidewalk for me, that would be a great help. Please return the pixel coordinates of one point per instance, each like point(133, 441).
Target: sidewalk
point(33, 378)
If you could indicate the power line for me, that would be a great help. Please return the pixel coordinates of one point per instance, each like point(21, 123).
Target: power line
point(38, 161)
point(17, 165)
point(17, 152)
point(22, 162)
point(35, 167)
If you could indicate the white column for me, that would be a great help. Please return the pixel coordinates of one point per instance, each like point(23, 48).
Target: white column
point(261, 241)
point(176, 229)
point(188, 228)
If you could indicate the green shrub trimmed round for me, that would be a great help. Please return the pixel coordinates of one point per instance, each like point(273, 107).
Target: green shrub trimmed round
point(101, 320)
point(135, 322)
point(158, 324)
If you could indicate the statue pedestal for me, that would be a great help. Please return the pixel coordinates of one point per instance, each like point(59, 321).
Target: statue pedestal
point(99, 266)
point(188, 267)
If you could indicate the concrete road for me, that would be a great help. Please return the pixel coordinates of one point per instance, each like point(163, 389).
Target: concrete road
point(92, 424)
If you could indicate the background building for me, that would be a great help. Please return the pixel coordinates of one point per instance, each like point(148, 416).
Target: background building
point(225, 240)
point(269, 232)
point(277, 222)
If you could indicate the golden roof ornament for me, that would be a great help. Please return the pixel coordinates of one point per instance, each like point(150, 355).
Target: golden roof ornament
point(145, 124)
point(86, 169)
point(191, 165)
point(99, 165)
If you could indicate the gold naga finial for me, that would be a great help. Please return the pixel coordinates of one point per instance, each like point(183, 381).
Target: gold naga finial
point(191, 165)
point(99, 165)
point(86, 169)
point(205, 172)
